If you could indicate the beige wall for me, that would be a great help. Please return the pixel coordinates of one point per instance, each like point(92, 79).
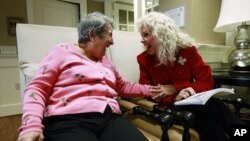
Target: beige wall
point(12, 8)
point(200, 18)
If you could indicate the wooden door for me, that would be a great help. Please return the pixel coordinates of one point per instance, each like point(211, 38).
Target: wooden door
point(54, 12)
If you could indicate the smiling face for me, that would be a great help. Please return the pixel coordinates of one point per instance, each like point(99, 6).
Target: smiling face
point(148, 40)
point(99, 43)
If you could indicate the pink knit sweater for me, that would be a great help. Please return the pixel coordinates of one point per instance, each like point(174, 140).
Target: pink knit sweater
point(68, 83)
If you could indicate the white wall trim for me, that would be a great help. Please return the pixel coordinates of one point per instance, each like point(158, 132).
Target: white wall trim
point(10, 109)
point(30, 12)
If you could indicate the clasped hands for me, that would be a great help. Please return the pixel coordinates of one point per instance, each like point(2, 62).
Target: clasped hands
point(160, 91)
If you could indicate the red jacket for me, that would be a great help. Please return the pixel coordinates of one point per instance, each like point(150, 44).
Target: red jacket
point(188, 70)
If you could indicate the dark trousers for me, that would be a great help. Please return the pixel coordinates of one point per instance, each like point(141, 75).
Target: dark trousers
point(212, 120)
point(91, 127)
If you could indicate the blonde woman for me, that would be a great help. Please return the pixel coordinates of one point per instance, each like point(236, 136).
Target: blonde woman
point(171, 60)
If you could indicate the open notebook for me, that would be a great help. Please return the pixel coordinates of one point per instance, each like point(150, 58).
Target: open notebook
point(203, 97)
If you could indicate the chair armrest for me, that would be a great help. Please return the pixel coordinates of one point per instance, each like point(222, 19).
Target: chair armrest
point(165, 117)
point(186, 118)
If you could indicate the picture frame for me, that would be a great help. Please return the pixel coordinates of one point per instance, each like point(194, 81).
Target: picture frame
point(11, 24)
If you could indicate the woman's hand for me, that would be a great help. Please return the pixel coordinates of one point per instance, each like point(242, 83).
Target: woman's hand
point(185, 93)
point(31, 136)
point(160, 91)
point(155, 91)
point(167, 89)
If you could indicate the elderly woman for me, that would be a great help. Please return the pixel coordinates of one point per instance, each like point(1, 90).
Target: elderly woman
point(72, 96)
point(171, 61)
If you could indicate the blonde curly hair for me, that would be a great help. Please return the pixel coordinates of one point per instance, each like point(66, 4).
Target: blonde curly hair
point(167, 34)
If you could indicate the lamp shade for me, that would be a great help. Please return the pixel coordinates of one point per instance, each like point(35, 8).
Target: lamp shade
point(232, 14)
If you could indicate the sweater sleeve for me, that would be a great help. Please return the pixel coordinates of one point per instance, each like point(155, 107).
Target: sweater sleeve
point(129, 89)
point(38, 91)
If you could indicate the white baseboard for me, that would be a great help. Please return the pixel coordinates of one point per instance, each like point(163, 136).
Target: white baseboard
point(10, 109)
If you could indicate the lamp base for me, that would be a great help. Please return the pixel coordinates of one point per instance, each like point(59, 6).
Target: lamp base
point(239, 60)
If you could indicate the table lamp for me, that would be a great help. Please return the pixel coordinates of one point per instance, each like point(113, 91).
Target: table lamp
point(235, 17)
